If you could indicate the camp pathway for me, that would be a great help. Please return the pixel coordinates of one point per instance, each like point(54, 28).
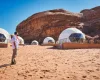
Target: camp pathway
point(45, 63)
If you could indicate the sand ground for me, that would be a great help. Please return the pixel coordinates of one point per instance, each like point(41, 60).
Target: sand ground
point(44, 63)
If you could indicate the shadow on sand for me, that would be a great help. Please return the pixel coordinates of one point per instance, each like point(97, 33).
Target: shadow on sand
point(5, 65)
point(55, 48)
point(70, 49)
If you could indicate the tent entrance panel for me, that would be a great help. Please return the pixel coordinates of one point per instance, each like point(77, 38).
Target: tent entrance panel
point(76, 37)
point(50, 41)
point(2, 38)
point(34, 43)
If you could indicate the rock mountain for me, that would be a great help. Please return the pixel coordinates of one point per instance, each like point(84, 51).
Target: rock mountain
point(53, 22)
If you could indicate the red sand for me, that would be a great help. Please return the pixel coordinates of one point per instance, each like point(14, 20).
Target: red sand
point(43, 63)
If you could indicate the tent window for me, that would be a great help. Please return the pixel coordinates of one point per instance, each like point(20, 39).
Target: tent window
point(34, 43)
point(50, 41)
point(76, 37)
point(2, 38)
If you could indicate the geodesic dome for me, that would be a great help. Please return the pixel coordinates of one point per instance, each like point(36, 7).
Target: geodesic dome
point(35, 42)
point(71, 35)
point(48, 40)
point(21, 40)
point(4, 36)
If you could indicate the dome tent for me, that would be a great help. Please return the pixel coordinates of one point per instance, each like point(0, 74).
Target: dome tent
point(70, 35)
point(35, 42)
point(48, 40)
point(21, 40)
point(4, 36)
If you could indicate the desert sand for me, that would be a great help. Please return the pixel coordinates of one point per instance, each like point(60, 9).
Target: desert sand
point(45, 63)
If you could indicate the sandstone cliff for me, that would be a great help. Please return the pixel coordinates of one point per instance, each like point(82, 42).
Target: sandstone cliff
point(48, 23)
point(53, 22)
point(91, 20)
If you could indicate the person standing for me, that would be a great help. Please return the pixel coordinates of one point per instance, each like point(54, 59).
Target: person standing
point(15, 44)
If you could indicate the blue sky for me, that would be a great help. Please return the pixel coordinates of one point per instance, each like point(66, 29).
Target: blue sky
point(12, 12)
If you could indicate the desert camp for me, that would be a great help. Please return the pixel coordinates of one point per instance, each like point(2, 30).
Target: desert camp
point(49, 40)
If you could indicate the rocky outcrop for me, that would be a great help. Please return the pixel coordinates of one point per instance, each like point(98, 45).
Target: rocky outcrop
point(49, 23)
point(53, 22)
point(91, 20)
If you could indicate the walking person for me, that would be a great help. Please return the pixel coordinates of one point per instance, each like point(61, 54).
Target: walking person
point(15, 44)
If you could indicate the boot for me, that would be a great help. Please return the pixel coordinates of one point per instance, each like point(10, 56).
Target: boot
point(13, 62)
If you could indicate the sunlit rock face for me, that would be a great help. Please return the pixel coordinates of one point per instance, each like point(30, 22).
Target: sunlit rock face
point(48, 23)
point(53, 22)
point(91, 20)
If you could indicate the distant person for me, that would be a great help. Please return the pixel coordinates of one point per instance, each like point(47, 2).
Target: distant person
point(15, 44)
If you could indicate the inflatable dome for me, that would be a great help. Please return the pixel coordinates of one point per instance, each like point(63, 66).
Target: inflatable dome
point(21, 40)
point(48, 40)
point(35, 42)
point(71, 35)
point(4, 36)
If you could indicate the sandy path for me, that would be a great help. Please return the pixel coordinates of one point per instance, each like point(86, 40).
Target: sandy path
point(43, 63)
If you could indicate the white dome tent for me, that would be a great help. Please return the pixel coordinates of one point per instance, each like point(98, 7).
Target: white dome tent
point(21, 40)
point(48, 40)
point(35, 42)
point(4, 35)
point(69, 32)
